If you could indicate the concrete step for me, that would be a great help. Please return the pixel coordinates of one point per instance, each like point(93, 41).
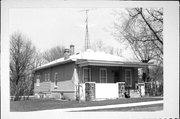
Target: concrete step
point(134, 93)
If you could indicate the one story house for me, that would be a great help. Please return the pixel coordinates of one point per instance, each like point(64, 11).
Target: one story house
point(66, 77)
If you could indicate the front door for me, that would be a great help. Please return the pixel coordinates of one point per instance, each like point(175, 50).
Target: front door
point(116, 76)
point(128, 77)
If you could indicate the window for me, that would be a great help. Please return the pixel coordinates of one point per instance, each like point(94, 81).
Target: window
point(48, 77)
point(45, 77)
point(55, 79)
point(128, 77)
point(86, 74)
point(103, 75)
point(38, 80)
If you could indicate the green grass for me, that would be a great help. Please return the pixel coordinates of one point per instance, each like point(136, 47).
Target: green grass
point(48, 104)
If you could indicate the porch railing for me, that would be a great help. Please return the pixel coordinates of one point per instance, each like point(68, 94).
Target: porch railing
point(95, 91)
point(101, 91)
point(106, 90)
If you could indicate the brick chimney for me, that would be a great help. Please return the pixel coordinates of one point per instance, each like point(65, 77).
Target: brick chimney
point(66, 53)
point(71, 49)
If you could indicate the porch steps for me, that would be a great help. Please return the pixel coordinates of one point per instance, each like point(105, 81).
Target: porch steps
point(134, 93)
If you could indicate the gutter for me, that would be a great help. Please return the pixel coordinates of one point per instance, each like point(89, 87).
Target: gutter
point(55, 64)
point(112, 63)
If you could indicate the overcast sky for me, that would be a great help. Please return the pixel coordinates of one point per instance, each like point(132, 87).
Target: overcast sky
point(49, 27)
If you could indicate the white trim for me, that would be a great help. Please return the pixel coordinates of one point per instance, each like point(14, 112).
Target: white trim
point(89, 69)
point(105, 69)
point(113, 63)
point(130, 76)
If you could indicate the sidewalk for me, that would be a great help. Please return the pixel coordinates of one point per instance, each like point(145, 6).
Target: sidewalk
point(106, 106)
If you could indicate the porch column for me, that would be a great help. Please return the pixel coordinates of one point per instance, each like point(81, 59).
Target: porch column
point(121, 89)
point(141, 88)
point(90, 91)
point(76, 83)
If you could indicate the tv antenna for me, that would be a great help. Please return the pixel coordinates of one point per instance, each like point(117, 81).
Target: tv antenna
point(87, 40)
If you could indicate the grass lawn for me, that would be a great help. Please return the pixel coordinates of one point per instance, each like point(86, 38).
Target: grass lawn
point(48, 104)
point(154, 107)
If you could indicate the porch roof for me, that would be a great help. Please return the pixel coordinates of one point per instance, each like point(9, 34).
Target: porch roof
point(83, 63)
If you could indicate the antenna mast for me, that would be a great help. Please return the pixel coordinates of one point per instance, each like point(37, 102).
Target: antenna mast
point(87, 41)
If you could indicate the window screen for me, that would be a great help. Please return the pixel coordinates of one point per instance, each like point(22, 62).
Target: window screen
point(87, 74)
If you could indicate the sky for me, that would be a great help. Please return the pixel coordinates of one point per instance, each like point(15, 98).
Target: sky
point(50, 27)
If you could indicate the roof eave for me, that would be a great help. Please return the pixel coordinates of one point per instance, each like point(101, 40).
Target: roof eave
point(111, 63)
point(55, 64)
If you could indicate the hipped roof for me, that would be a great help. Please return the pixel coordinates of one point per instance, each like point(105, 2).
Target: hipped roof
point(97, 58)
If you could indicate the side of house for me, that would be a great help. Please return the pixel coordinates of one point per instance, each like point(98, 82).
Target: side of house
point(53, 81)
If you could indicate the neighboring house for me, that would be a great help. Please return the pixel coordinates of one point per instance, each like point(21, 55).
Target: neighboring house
point(66, 77)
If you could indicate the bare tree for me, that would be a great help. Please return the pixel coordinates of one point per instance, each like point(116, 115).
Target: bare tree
point(142, 30)
point(38, 59)
point(53, 53)
point(22, 54)
point(100, 46)
point(113, 51)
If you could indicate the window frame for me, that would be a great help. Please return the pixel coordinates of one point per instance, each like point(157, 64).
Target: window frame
point(38, 80)
point(48, 77)
point(45, 77)
point(101, 69)
point(129, 77)
point(89, 71)
point(55, 79)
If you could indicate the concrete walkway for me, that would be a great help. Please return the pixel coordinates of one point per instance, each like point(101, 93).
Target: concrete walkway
point(107, 106)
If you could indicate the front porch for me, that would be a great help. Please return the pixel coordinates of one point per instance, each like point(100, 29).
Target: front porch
point(108, 79)
point(109, 75)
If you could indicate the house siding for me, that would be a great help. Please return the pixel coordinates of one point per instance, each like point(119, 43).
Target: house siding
point(64, 72)
point(65, 79)
point(44, 87)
